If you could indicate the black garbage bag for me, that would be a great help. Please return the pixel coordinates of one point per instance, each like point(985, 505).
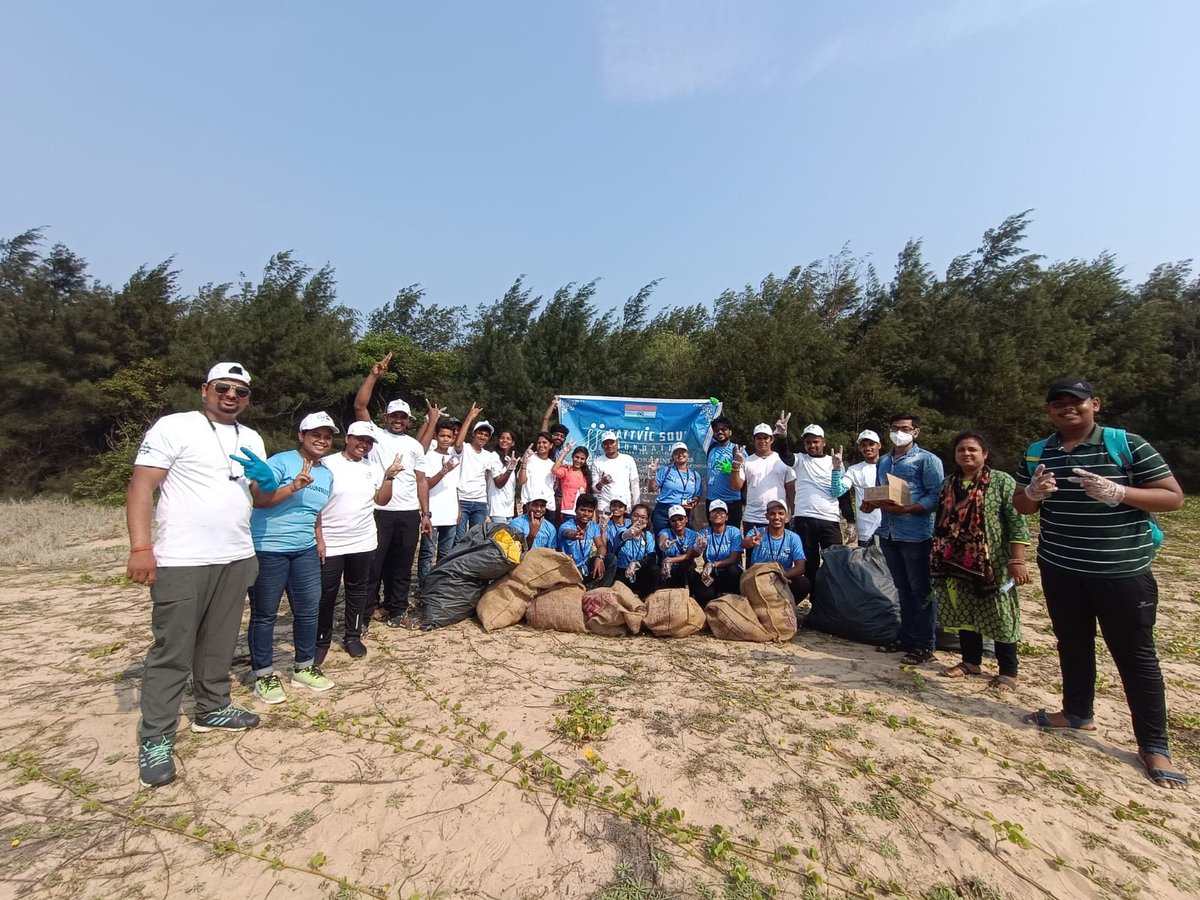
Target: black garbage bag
point(854, 596)
point(456, 583)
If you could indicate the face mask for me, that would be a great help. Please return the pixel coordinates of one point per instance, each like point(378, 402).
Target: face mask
point(900, 438)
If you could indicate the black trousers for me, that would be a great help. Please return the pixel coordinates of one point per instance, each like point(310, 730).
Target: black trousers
point(645, 582)
point(355, 568)
point(1126, 609)
point(971, 645)
point(801, 587)
point(816, 535)
point(725, 581)
point(399, 532)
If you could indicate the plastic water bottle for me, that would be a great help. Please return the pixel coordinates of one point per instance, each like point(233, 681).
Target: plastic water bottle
point(1008, 586)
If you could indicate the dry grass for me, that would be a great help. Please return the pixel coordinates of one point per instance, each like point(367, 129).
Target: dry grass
point(53, 533)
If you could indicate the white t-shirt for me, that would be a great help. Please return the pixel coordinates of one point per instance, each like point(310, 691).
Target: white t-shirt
point(348, 519)
point(474, 471)
point(404, 489)
point(539, 481)
point(203, 516)
point(500, 499)
point(625, 484)
point(861, 476)
point(765, 481)
point(814, 480)
point(443, 496)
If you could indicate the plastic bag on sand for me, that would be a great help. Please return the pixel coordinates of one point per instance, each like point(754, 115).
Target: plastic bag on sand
point(454, 586)
point(855, 597)
point(558, 610)
point(503, 604)
point(673, 613)
point(731, 618)
point(766, 588)
point(613, 611)
point(544, 569)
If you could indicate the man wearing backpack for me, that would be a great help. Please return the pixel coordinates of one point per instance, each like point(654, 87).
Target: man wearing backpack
point(1096, 489)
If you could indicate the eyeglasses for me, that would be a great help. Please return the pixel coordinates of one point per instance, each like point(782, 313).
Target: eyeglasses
point(907, 429)
point(223, 388)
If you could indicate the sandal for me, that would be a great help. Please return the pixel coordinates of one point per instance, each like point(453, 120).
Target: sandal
point(917, 657)
point(960, 670)
point(1005, 684)
point(891, 647)
point(1161, 775)
point(1042, 720)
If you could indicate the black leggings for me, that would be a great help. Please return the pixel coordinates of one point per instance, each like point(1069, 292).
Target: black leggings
point(971, 644)
point(725, 581)
point(645, 582)
point(356, 569)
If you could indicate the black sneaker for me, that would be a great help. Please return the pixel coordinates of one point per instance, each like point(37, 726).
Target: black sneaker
point(155, 765)
point(410, 620)
point(231, 718)
point(355, 648)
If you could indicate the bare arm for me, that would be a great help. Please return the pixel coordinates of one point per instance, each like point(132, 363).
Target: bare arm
point(549, 412)
point(465, 430)
point(362, 400)
point(139, 507)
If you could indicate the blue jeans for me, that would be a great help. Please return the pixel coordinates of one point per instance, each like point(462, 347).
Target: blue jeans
point(300, 574)
point(470, 514)
point(908, 561)
point(442, 541)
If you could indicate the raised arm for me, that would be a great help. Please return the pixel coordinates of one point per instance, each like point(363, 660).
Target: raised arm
point(362, 400)
point(465, 431)
point(549, 412)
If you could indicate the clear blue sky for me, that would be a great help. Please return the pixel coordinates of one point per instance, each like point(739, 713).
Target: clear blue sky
point(460, 145)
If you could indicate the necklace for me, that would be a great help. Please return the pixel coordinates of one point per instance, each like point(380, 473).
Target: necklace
point(233, 476)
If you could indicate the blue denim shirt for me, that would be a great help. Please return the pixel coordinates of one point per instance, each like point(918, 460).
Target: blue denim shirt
point(923, 472)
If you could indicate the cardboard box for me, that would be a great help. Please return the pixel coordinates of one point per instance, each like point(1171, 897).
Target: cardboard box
point(896, 489)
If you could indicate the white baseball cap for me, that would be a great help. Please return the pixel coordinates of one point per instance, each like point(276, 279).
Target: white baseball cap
point(362, 429)
point(608, 436)
point(813, 429)
point(868, 435)
point(398, 406)
point(716, 505)
point(676, 510)
point(678, 445)
point(775, 501)
point(479, 426)
point(762, 428)
point(235, 371)
point(319, 420)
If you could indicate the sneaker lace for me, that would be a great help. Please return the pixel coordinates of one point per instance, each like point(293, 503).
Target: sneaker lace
point(315, 671)
point(155, 754)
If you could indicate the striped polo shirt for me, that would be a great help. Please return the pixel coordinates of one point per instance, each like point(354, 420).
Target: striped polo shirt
point(1079, 534)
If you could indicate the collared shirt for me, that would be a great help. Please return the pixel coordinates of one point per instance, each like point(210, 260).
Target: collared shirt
point(1079, 534)
point(924, 474)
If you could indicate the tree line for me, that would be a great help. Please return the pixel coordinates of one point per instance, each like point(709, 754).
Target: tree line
point(86, 366)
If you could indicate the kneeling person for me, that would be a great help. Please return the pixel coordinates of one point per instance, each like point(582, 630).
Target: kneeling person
point(582, 539)
point(722, 556)
point(777, 544)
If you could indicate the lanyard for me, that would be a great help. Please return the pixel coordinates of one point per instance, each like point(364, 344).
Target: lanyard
point(716, 549)
point(680, 545)
point(775, 551)
point(685, 484)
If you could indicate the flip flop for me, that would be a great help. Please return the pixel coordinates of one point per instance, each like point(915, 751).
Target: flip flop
point(891, 647)
point(1004, 683)
point(1042, 720)
point(1157, 775)
point(917, 657)
point(959, 670)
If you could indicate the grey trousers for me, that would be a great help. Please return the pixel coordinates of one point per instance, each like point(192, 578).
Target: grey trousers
point(196, 619)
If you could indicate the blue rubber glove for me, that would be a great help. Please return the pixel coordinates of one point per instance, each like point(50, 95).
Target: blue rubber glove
point(257, 470)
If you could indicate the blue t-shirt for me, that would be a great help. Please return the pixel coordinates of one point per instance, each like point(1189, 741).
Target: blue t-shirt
point(722, 546)
point(547, 535)
point(635, 549)
point(718, 481)
point(786, 550)
point(612, 535)
point(677, 487)
point(290, 526)
point(579, 549)
point(677, 546)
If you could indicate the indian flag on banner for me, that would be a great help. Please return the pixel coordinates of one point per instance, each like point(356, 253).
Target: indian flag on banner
point(640, 410)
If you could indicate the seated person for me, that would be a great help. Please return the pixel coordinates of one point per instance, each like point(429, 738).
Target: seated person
point(721, 559)
point(533, 524)
point(776, 544)
point(582, 539)
point(637, 561)
point(677, 548)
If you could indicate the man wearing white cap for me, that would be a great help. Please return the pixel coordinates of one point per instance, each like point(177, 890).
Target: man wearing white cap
point(399, 520)
point(476, 466)
point(861, 476)
point(200, 563)
point(818, 485)
point(765, 476)
point(615, 474)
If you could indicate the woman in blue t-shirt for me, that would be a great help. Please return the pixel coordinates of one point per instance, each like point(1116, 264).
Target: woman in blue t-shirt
point(637, 560)
point(776, 544)
point(676, 485)
point(721, 558)
point(284, 528)
point(677, 548)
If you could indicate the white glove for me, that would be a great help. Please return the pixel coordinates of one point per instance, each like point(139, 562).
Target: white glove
point(632, 569)
point(1098, 487)
point(1042, 485)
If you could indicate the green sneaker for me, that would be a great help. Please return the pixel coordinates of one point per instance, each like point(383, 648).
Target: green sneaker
point(269, 689)
point(312, 678)
point(155, 766)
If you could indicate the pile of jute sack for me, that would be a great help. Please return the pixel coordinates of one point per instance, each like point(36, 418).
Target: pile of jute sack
point(489, 576)
point(546, 592)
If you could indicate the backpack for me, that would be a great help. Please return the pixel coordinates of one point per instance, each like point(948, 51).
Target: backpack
point(1116, 442)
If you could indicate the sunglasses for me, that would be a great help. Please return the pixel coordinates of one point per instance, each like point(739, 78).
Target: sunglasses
point(222, 389)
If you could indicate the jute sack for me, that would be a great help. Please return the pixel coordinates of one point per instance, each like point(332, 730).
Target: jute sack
point(613, 611)
point(771, 599)
point(731, 618)
point(672, 612)
point(503, 603)
point(544, 569)
point(558, 610)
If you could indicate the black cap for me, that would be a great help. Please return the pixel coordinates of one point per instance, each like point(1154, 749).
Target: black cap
point(1072, 385)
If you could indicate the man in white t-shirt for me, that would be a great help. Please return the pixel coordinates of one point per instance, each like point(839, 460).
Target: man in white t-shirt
point(861, 476)
point(437, 487)
point(615, 474)
point(208, 469)
point(765, 476)
point(476, 467)
point(816, 516)
point(399, 521)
